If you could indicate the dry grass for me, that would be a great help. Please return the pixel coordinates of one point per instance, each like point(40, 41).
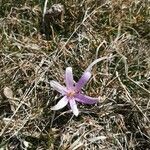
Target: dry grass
point(90, 29)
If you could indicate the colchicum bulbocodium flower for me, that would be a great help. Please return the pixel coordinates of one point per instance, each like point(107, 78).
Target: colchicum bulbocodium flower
point(72, 92)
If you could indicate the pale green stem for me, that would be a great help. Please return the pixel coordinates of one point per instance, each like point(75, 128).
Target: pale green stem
point(89, 68)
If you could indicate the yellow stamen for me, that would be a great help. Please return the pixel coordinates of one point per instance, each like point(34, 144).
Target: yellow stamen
point(71, 94)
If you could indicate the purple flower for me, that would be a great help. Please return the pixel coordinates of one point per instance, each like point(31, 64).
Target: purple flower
point(72, 92)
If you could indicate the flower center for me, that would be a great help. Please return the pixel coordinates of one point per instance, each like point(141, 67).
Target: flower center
point(71, 94)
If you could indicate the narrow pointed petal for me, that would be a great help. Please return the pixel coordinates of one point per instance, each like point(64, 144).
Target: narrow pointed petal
point(69, 78)
point(86, 99)
point(62, 103)
point(55, 85)
point(83, 80)
point(74, 108)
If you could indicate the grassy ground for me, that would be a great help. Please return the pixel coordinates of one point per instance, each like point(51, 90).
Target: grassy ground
point(90, 29)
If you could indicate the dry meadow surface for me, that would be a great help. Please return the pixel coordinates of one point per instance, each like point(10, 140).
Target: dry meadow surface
point(32, 54)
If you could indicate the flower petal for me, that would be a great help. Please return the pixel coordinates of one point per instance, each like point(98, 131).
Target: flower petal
point(69, 78)
point(83, 80)
point(86, 99)
point(73, 106)
point(61, 89)
point(62, 103)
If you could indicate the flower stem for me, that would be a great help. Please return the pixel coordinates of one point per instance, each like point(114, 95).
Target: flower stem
point(89, 68)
